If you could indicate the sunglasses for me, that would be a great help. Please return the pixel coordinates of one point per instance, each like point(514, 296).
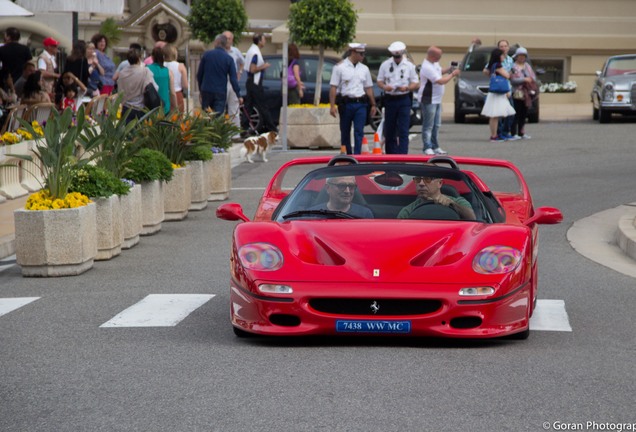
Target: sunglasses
point(344, 186)
point(424, 179)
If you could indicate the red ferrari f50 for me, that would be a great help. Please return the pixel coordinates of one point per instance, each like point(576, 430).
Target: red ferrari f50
point(391, 245)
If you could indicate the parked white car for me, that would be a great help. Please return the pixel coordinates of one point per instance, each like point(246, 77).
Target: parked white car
point(615, 88)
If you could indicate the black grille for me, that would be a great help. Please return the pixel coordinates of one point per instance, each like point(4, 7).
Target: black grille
point(386, 307)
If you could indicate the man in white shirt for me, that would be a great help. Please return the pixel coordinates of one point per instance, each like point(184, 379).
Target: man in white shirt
point(352, 80)
point(433, 79)
point(254, 85)
point(397, 78)
point(232, 101)
point(47, 64)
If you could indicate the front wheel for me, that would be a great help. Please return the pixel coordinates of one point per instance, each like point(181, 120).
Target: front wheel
point(460, 117)
point(604, 116)
point(241, 333)
point(594, 113)
point(521, 335)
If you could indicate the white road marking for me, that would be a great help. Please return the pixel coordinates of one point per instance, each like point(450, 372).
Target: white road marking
point(159, 310)
point(10, 304)
point(550, 315)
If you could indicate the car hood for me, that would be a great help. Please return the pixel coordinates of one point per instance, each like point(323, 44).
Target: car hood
point(622, 81)
point(380, 251)
point(475, 78)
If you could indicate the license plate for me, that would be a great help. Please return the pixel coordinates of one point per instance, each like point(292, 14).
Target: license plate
point(372, 326)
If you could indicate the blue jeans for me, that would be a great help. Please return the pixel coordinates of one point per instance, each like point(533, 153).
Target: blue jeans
point(397, 119)
point(504, 127)
point(431, 121)
point(356, 113)
point(216, 101)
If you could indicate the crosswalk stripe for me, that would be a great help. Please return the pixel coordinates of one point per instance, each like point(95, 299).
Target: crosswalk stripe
point(550, 315)
point(159, 310)
point(10, 304)
point(7, 262)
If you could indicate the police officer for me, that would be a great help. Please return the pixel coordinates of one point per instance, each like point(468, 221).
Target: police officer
point(352, 80)
point(398, 79)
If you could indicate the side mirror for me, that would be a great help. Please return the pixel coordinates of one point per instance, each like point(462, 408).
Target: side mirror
point(231, 212)
point(545, 216)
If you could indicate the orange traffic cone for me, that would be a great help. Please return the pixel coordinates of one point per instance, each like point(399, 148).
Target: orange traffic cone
point(365, 146)
point(377, 147)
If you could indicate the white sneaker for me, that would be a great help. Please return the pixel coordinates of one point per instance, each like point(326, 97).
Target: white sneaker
point(440, 151)
point(526, 136)
point(514, 138)
point(429, 151)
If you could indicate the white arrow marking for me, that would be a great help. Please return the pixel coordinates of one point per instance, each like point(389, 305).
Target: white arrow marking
point(10, 304)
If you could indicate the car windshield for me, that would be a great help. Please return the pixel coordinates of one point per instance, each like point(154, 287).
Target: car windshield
point(382, 191)
point(621, 66)
point(476, 60)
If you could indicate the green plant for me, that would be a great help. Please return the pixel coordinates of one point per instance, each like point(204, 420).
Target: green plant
point(322, 23)
point(218, 131)
point(111, 30)
point(115, 138)
point(164, 135)
point(149, 165)
point(97, 182)
point(209, 18)
point(198, 152)
point(56, 150)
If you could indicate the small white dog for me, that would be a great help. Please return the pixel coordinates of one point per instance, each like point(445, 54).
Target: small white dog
point(258, 144)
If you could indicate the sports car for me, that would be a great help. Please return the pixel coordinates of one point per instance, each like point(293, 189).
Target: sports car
point(387, 245)
point(615, 88)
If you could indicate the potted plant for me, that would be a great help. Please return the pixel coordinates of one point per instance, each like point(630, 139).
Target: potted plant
point(113, 134)
point(104, 189)
point(56, 234)
point(197, 156)
point(150, 168)
point(166, 135)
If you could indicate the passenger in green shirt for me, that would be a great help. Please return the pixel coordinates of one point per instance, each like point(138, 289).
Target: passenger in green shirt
point(430, 189)
point(163, 77)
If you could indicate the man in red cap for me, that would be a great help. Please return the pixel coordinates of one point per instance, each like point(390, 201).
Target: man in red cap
point(47, 63)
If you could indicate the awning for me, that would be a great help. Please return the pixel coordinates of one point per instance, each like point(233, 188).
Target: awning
point(109, 7)
point(9, 9)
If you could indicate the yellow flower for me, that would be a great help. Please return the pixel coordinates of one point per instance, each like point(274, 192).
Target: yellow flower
point(42, 201)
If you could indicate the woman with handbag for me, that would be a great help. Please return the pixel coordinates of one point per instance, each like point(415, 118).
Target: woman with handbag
point(524, 90)
point(295, 86)
point(131, 83)
point(497, 104)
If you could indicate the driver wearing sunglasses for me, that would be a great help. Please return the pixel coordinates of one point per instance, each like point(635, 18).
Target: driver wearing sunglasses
point(341, 191)
point(430, 189)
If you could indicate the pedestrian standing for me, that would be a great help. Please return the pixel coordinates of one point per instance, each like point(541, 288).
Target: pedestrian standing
point(47, 64)
point(13, 55)
point(398, 79)
point(254, 85)
point(179, 75)
point(497, 105)
point(352, 79)
point(524, 90)
point(101, 45)
point(433, 79)
point(163, 78)
point(215, 69)
point(233, 106)
point(295, 86)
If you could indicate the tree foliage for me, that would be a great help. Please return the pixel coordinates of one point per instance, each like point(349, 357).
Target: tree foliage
point(327, 23)
point(111, 30)
point(209, 18)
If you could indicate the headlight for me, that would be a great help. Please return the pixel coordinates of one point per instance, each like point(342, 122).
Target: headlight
point(275, 289)
point(496, 259)
point(261, 256)
point(476, 291)
point(608, 92)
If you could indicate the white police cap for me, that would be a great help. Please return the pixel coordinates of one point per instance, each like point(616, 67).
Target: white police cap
point(357, 46)
point(397, 47)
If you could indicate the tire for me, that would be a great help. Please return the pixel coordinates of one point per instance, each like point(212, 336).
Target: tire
point(604, 116)
point(460, 117)
point(523, 335)
point(534, 117)
point(595, 114)
point(374, 121)
point(255, 117)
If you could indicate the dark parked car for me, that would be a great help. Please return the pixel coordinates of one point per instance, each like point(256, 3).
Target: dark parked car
point(471, 87)
point(308, 69)
point(615, 88)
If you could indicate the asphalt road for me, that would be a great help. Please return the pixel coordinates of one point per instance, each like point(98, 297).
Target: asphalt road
point(61, 371)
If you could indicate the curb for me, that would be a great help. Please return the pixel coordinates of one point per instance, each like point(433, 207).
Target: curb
point(626, 235)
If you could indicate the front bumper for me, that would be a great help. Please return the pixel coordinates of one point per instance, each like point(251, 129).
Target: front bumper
point(455, 316)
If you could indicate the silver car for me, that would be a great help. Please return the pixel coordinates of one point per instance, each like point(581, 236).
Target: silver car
point(615, 88)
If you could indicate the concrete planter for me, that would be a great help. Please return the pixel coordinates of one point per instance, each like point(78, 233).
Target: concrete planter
point(152, 207)
point(219, 175)
point(56, 242)
point(312, 128)
point(110, 230)
point(177, 193)
point(131, 212)
point(199, 188)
